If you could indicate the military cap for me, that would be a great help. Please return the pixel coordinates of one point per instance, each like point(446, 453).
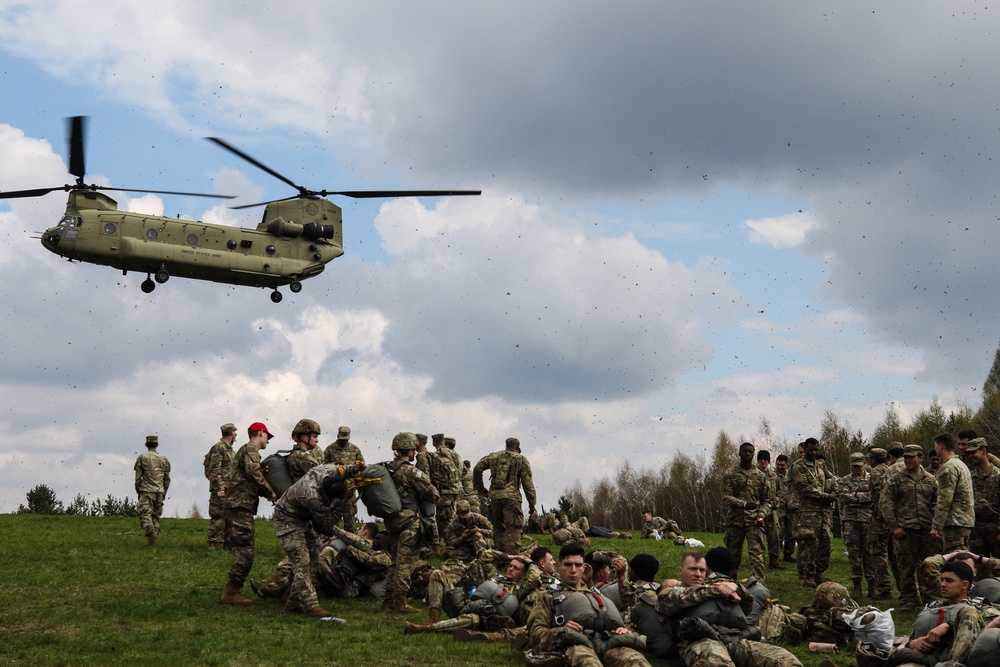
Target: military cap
point(878, 453)
point(975, 445)
point(421, 438)
point(404, 441)
point(227, 429)
point(463, 508)
point(152, 441)
point(450, 442)
point(857, 458)
point(512, 442)
point(437, 437)
point(644, 566)
point(343, 432)
point(912, 450)
point(895, 444)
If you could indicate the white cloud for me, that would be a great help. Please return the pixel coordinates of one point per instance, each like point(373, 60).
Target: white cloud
point(785, 231)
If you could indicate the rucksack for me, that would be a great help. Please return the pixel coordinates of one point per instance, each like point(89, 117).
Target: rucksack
point(381, 497)
point(207, 463)
point(277, 471)
point(827, 625)
point(779, 624)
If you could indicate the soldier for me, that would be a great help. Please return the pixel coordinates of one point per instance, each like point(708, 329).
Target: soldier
point(469, 534)
point(447, 478)
point(304, 456)
point(747, 495)
point(946, 630)
point(509, 473)
point(954, 515)
point(468, 488)
point(404, 526)
point(344, 452)
point(771, 528)
point(907, 504)
point(985, 536)
point(353, 565)
point(967, 436)
point(878, 534)
point(244, 486)
point(152, 479)
point(454, 573)
point(785, 527)
point(307, 508)
point(575, 620)
point(218, 461)
point(855, 497)
point(813, 533)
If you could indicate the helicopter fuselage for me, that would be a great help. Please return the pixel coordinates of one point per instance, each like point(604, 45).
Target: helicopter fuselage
point(294, 241)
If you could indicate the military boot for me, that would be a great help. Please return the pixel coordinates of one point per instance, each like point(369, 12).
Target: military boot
point(215, 546)
point(232, 596)
point(871, 589)
point(316, 612)
point(434, 615)
point(809, 582)
point(466, 635)
point(151, 540)
point(417, 628)
point(821, 578)
point(856, 591)
point(775, 564)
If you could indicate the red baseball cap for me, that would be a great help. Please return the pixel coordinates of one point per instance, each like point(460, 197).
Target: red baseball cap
point(258, 426)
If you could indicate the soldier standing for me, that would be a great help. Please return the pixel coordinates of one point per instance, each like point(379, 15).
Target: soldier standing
point(877, 544)
point(813, 532)
point(954, 515)
point(344, 452)
point(447, 478)
point(304, 456)
point(785, 527)
point(855, 497)
point(404, 526)
point(747, 495)
point(985, 536)
point(772, 530)
point(509, 473)
point(907, 504)
point(152, 479)
point(218, 461)
point(244, 486)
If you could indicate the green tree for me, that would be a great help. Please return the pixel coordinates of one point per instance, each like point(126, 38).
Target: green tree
point(41, 500)
point(890, 430)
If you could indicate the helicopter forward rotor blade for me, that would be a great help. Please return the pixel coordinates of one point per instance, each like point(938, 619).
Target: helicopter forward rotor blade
point(264, 203)
point(160, 192)
point(77, 128)
point(256, 163)
point(375, 194)
point(38, 192)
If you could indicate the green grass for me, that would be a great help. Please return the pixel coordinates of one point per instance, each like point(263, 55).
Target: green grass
point(87, 591)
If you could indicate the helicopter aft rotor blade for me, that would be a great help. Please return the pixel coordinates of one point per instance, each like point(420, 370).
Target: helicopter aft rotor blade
point(259, 165)
point(76, 130)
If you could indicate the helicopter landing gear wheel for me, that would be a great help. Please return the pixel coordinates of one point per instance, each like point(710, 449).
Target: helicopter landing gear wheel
point(147, 285)
point(162, 275)
point(276, 296)
point(296, 287)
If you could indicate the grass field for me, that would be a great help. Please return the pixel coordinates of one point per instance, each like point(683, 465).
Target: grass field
point(87, 591)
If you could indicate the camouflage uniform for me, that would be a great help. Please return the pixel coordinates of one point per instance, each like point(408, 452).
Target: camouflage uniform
point(218, 462)
point(547, 634)
point(244, 486)
point(877, 543)
point(742, 487)
point(660, 528)
point(856, 517)
point(772, 529)
point(966, 623)
point(907, 501)
point(469, 489)
point(986, 494)
point(423, 462)
point(791, 522)
point(454, 573)
point(448, 480)
point(509, 473)
point(404, 529)
point(301, 461)
point(152, 479)
point(343, 452)
point(467, 548)
point(954, 515)
point(813, 531)
point(355, 569)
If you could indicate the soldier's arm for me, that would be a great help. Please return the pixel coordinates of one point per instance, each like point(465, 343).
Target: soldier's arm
point(887, 504)
point(946, 497)
point(673, 600)
point(766, 496)
point(485, 527)
point(527, 483)
point(166, 477)
point(251, 467)
point(424, 488)
point(541, 633)
point(970, 623)
point(530, 582)
point(729, 496)
point(214, 469)
point(138, 473)
point(477, 474)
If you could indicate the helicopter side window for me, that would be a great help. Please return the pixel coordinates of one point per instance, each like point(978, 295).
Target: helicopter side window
point(151, 234)
point(110, 228)
point(192, 239)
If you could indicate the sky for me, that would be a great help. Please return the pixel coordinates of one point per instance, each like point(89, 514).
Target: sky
point(695, 216)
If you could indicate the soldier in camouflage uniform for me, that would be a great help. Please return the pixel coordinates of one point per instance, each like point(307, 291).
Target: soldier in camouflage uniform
point(447, 478)
point(954, 514)
point(985, 536)
point(772, 530)
point(878, 534)
point(218, 461)
point(305, 456)
point(468, 488)
point(600, 638)
point(907, 504)
point(946, 630)
point(152, 479)
point(469, 533)
point(785, 528)
point(404, 526)
point(432, 539)
point(344, 452)
point(509, 473)
point(456, 573)
point(747, 497)
point(353, 565)
point(307, 508)
point(967, 436)
point(686, 604)
point(244, 486)
point(813, 489)
point(855, 497)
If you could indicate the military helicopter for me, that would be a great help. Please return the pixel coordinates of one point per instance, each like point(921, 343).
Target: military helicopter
point(296, 238)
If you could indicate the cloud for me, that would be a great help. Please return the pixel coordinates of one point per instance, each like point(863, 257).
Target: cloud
point(786, 231)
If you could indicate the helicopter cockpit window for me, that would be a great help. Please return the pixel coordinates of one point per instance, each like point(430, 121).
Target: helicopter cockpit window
point(70, 221)
point(151, 234)
point(192, 239)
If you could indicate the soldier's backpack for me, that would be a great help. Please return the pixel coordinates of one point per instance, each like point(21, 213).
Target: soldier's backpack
point(779, 624)
point(381, 497)
point(207, 462)
point(827, 625)
point(277, 472)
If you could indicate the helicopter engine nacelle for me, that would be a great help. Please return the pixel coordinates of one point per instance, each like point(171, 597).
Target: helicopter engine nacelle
point(315, 231)
point(311, 230)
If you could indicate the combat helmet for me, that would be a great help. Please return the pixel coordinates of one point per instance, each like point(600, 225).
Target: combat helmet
point(305, 426)
point(830, 594)
point(404, 441)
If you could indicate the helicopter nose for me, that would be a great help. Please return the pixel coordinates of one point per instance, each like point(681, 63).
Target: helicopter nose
point(50, 239)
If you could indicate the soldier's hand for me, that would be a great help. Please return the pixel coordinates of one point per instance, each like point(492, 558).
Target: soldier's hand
point(899, 532)
point(273, 497)
point(620, 565)
point(922, 644)
point(935, 533)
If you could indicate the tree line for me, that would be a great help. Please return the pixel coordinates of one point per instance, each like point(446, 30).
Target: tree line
point(42, 500)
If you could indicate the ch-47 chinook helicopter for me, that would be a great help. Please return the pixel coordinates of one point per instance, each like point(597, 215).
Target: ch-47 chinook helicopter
point(296, 238)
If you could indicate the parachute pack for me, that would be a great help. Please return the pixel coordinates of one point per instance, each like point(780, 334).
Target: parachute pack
point(380, 496)
point(277, 471)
